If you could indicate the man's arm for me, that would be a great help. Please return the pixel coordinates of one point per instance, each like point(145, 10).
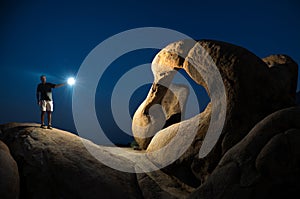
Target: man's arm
point(59, 85)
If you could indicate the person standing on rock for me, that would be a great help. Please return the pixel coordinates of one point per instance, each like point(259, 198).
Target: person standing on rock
point(45, 101)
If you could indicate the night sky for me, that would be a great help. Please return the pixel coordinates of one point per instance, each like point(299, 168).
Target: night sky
point(54, 37)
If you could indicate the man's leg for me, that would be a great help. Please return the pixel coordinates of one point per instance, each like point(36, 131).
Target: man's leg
point(49, 119)
point(42, 119)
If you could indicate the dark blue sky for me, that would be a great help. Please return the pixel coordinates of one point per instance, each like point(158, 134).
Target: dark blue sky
point(54, 37)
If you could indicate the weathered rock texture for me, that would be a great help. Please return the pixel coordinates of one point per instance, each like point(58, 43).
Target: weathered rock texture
point(9, 175)
point(55, 164)
point(254, 87)
point(162, 109)
point(265, 164)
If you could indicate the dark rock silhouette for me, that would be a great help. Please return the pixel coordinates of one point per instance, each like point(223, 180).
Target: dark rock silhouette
point(9, 175)
point(265, 164)
point(298, 98)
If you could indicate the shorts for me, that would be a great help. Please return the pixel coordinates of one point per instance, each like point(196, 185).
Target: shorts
point(46, 105)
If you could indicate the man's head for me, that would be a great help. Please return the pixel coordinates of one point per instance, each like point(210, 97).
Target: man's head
point(43, 78)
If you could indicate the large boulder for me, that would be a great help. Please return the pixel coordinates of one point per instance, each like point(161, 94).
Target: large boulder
point(56, 164)
point(265, 164)
point(59, 164)
point(9, 175)
point(254, 88)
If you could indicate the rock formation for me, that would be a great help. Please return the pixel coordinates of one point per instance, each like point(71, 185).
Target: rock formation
point(256, 155)
point(254, 88)
point(164, 107)
point(265, 164)
point(9, 176)
point(55, 164)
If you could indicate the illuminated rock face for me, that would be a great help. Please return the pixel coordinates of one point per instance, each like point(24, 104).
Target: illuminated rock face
point(254, 87)
point(163, 107)
point(166, 100)
point(9, 175)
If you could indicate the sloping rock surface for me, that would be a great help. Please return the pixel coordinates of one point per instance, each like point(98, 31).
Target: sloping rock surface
point(55, 164)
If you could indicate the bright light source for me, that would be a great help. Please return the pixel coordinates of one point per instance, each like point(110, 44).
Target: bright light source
point(71, 81)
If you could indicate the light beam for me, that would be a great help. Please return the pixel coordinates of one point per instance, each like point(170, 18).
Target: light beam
point(71, 81)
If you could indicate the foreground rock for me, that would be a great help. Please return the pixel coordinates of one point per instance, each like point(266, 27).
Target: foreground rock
point(265, 164)
point(9, 175)
point(55, 164)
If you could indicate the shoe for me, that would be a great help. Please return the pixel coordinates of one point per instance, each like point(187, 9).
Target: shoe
point(43, 126)
point(49, 127)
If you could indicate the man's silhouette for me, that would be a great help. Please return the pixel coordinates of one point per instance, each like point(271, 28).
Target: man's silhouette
point(45, 100)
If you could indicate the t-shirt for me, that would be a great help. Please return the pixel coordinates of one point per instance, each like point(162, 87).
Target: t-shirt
point(45, 91)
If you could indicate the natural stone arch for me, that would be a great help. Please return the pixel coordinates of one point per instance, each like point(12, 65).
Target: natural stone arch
point(255, 87)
